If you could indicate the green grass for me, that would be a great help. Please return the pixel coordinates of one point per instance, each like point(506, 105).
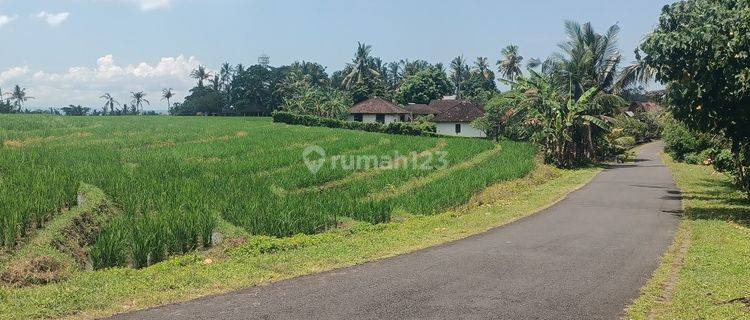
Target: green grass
point(176, 179)
point(709, 264)
point(262, 259)
point(61, 244)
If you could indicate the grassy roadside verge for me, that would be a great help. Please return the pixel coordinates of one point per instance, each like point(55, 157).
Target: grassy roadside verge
point(260, 260)
point(706, 272)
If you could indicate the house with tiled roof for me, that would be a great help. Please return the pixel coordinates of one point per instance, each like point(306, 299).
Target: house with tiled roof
point(378, 110)
point(451, 117)
point(456, 120)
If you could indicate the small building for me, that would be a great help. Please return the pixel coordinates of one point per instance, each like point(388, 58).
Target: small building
point(455, 119)
point(378, 110)
point(451, 117)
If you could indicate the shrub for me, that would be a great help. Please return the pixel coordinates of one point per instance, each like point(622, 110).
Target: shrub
point(630, 127)
point(693, 158)
point(404, 128)
point(653, 121)
point(625, 142)
point(680, 141)
point(724, 161)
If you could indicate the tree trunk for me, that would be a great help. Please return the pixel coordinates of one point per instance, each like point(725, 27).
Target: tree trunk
point(590, 142)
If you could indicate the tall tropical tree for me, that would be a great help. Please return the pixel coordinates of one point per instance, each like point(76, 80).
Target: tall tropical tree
point(639, 72)
point(533, 63)
point(394, 75)
point(216, 82)
point(109, 102)
point(588, 58)
point(459, 73)
point(201, 74)
point(564, 125)
point(167, 94)
point(361, 68)
point(225, 76)
point(509, 65)
point(138, 98)
point(410, 68)
point(482, 67)
point(18, 96)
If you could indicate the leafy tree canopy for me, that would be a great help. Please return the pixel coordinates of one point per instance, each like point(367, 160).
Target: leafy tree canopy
point(701, 51)
point(424, 86)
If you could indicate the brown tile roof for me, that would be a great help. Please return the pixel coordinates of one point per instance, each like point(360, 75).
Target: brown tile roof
point(442, 105)
point(463, 111)
point(376, 106)
point(420, 109)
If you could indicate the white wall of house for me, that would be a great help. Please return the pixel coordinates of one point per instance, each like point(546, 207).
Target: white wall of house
point(372, 118)
point(449, 129)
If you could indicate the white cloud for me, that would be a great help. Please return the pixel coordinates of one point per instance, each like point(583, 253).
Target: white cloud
point(147, 5)
point(84, 84)
point(53, 19)
point(4, 19)
point(13, 73)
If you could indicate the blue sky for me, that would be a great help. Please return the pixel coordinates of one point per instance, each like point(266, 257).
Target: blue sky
point(72, 51)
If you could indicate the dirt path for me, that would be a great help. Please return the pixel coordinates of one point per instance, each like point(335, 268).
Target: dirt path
point(584, 258)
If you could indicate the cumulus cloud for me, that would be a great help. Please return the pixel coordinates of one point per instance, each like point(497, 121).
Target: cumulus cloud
point(84, 84)
point(4, 19)
point(13, 73)
point(53, 19)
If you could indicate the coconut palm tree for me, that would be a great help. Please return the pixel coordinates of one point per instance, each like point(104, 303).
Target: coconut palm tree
point(110, 102)
point(637, 72)
point(225, 75)
point(509, 65)
point(167, 94)
point(200, 74)
point(459, 73)
point(588, 58)
point(533, 63)
point(361, 68)
point(138, 99)
point(482, 66)
point(19, 96)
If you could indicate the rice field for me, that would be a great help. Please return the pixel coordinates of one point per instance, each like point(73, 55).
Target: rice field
point(175, 179)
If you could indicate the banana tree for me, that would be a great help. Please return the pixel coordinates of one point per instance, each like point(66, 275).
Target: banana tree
point(563, 126)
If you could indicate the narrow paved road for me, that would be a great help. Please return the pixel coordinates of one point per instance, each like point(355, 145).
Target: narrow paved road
point(584, 258)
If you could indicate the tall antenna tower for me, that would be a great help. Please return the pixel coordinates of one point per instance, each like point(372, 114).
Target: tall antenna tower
point(264, 60)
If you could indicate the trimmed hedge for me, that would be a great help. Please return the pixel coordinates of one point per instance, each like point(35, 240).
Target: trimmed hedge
point(404, 128)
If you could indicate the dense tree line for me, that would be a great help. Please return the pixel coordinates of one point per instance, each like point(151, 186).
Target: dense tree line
point(306, 87)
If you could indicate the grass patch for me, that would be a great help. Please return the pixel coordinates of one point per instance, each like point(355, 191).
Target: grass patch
point(706, 273)
point(255, 260)
point(57, 251)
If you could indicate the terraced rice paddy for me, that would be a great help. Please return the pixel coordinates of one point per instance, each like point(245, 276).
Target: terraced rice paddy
point(175, 179)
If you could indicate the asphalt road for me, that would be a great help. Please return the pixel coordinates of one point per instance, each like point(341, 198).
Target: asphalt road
point(584, 258)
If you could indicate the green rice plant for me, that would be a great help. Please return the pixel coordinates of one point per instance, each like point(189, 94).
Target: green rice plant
point(141, 241)
point(110, 249)
point(171, 177)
